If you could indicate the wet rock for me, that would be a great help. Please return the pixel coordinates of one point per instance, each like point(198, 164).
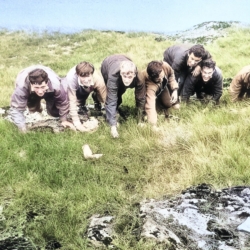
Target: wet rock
point(42, 121)
point(245, 226)
point(100, 230)
point(13, 242)
point(200, 218)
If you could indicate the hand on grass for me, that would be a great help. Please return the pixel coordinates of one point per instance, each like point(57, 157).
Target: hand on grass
point(70, 125)
point(114, 132)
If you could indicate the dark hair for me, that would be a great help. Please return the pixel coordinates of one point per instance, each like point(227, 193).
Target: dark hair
point(85, 67)
point(154, 69)
point(198, 51)
point(37, 76)
point(209, 63)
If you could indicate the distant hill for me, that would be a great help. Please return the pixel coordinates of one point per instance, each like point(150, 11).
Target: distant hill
point(202, 33)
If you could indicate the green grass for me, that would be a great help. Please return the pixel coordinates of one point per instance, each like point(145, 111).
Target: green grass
point(48, 190)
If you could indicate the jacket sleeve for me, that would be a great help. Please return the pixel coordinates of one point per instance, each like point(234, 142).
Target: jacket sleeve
point(169, 72)
point(140, 91)
point(150, 106)
point(18, 105)
point(100, 88)
point(111, 100)
point(218, 87)
point(62, 102)
point(73, 110)
point(236, 86)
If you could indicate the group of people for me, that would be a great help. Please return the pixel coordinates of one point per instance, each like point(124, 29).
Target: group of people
point(184, 71)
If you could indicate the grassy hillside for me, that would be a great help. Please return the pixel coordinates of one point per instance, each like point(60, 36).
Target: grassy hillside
point(48, 190)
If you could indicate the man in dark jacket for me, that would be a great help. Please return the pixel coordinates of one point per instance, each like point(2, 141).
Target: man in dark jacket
point(120, 73)
point(185, 61)
point(209, 84)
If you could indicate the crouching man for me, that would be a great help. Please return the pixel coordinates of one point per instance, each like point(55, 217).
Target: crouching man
point(209, 86)
point(34, 84)
point(161, 90)
point(120, 73)
point(81, 81)
point(240, 85)
point(186, 60)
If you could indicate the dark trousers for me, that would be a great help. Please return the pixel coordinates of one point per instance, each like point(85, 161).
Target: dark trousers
point(83, 95)
point(34, 103)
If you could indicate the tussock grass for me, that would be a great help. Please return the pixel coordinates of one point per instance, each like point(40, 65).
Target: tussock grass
point(48, 190)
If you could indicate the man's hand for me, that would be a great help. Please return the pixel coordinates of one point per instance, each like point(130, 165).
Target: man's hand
point(23, 130)
point(174, 96)
point(114, 132)
point(68, 124)
point(196, 71)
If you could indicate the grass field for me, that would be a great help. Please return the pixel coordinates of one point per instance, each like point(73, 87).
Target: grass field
point(48, 190)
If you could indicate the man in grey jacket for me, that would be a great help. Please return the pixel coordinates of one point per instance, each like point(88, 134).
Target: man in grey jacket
point(33, 84)
point(120, 73)
point(185, 60)
point(82, 80)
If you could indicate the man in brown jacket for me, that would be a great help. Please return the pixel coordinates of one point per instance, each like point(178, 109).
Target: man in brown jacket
point(81, 80)
point(161, 90)
point(240, 85)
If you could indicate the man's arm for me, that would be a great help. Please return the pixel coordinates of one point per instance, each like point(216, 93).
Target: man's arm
point(218, 87)
point(100, 87)
point(17, 107)
point(150, 106)
point(111, 100)
point(236, 86)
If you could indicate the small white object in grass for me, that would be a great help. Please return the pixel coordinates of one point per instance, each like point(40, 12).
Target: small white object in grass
point(87, 153)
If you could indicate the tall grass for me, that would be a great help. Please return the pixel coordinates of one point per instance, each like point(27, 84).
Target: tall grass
point(48, 190)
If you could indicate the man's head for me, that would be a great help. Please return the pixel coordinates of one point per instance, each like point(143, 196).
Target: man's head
point(38, 79)
point(155, 71)
point(127, 72)
point(84, 71)
point(207, 69)
point(195, 55)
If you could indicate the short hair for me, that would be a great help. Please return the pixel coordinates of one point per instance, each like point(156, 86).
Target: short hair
point(37, 76)
point(198, 51)
point(209, 63)
point(127, 66)
point(85, 67)
point(154, 69)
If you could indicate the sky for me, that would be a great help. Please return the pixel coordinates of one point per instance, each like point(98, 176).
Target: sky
point(160, 16)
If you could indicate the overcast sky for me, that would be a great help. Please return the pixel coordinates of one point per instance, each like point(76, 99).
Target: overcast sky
point(120, 15)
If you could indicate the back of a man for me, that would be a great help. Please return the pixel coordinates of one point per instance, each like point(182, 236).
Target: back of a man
point(185, 61)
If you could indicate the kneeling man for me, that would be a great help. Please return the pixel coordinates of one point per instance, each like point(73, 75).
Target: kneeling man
point(34, 84)
point(240, 85)
point(161, 90)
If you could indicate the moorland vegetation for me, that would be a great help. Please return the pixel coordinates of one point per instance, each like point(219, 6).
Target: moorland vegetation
point(48, 190)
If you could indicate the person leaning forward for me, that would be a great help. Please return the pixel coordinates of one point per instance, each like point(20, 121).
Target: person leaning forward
point(161, 90)
point(185, 61)
point(81, 80)
point(33, 84)
point(240, 85)
point(120, 73)
point(209, 85)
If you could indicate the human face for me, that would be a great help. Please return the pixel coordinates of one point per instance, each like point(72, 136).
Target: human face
point(207, 73)
point(40, 89)
point(193, 60)
point(86, 79)
point(158, 79)
point(127, 77)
